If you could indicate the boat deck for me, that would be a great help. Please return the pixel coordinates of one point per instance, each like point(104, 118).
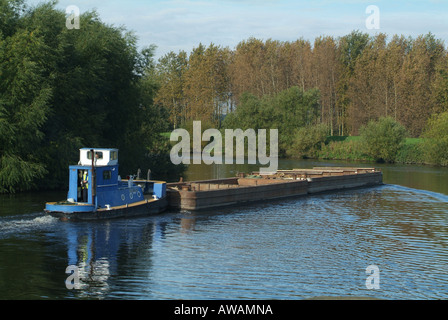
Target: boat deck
point(197, 195)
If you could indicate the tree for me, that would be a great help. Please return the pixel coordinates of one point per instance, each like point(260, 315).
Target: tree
point(416, 76)
point(10, 14)
point(94, 88)
point(171, 70)
point(302, 63)
point(24, 108)
point(287, 111)
point(397, 49)
point(206, 84)
point(350, 48)
point(245, 70)
point(64, 89)
point(439, 86)
point(359, 78)
point(292, 109)
point(369, 85)
point(325, 78)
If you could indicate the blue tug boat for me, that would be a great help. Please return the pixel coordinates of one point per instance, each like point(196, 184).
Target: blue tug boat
point(96, 190)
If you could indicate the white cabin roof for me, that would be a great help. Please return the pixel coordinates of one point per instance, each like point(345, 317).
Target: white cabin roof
point(103, 156)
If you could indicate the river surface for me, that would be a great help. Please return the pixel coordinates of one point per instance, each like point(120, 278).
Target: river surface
point(292, 249)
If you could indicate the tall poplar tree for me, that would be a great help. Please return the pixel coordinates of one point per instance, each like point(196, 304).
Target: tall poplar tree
point(325, 78)
point(171, 70)
point(350, 47)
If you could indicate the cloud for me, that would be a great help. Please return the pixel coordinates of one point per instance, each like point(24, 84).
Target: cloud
point(225, 23)
point(175, 25)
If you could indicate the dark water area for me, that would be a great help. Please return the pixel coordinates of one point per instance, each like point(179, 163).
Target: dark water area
point(292, 249)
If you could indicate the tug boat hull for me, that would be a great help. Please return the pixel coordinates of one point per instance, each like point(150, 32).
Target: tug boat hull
point(142, 208)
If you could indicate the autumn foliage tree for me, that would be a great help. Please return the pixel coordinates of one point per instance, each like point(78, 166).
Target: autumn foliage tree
point(359, 77)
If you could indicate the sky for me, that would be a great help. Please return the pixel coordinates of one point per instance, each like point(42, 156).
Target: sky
point(174, 25)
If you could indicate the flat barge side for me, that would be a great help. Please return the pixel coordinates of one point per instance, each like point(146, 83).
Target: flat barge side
point(206, 194)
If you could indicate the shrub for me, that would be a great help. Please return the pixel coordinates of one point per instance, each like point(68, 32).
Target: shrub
point(382, 139)
point(411, 152)
point(308, 141)
point(435, 141)
point(347, 149)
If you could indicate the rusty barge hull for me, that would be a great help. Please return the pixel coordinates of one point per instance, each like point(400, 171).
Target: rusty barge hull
point(207, 194)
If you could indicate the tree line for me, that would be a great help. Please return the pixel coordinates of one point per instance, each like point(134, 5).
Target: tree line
point(358, 77)
point(63, 89)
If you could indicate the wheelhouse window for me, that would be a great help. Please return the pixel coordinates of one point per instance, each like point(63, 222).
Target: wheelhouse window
point(113, 155)
point(107, 175)
point(98, 155)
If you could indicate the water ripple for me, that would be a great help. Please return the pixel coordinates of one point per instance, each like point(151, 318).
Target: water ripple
point(23, 224)
point(291, 249)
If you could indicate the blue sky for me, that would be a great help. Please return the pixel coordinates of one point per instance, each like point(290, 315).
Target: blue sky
point(175, 25)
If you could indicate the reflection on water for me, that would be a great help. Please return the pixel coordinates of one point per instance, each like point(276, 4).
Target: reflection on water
point(103, 250)
point(291, 249)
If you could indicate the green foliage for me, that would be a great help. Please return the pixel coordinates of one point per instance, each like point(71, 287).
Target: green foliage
point(308, 141)
point(352, 148)
point(383, 138)
point(287, 111)
point(412, 152)
point(17, 174)
point(436, 139)
point(347, 149)
point(10, 12)
point(63, 89)
point(292, 109)
point(352, 46)
point(249, 114)
point(24, 107)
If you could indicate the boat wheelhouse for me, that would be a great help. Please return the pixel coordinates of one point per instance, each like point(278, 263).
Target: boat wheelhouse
point(96, 190)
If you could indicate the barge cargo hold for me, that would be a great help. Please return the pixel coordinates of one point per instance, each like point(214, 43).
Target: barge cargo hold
point(205, 194)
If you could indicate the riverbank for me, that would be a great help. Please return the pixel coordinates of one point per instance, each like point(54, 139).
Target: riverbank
point(350, 148)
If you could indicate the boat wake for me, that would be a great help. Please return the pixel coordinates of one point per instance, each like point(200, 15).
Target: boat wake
point(431, 195)
point(13, 225)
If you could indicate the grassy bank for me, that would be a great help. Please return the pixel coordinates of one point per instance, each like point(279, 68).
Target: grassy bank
point(351, 148)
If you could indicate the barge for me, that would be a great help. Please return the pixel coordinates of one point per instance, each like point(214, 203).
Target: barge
point(246, 188)
point(96, 191)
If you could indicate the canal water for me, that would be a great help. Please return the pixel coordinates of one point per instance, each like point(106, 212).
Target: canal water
point(300, 248)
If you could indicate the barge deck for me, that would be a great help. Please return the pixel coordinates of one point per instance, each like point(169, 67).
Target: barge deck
point(246, 188)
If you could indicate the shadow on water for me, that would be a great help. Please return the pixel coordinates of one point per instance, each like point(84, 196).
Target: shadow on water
point(28, 202)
